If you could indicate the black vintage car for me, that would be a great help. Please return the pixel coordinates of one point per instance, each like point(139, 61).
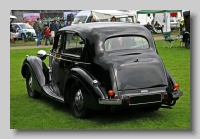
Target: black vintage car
point(102, 66)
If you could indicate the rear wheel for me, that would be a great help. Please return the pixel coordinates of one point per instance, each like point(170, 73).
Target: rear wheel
point(77, 101)
point(29, 85)
point(187, 42)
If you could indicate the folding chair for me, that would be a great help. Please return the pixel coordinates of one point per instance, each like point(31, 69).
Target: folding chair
point(168, 41)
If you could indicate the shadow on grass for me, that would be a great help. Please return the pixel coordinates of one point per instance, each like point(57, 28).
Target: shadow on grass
point(106, 116)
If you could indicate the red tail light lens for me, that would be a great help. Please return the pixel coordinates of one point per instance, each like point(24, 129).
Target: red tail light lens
point(176, 86)
point(111, 93)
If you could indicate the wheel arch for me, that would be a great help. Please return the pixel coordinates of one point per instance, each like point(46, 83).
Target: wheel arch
point(34, 64)
point(91, 93)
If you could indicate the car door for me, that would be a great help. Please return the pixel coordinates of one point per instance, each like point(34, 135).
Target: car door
point(70, 53)
point(56, 61)
point(67, 51)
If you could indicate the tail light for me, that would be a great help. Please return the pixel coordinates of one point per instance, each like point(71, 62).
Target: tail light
point(111, 93)
point(176, 86)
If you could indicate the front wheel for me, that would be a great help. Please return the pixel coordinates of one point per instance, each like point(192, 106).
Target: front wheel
point(77, 101)
point(29, 85)
point(187, 42)
point(23, 36)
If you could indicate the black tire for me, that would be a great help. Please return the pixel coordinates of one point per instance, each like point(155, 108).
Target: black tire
point(77, 101)
point(23, 37)
point(31, 92)
point(187, 41)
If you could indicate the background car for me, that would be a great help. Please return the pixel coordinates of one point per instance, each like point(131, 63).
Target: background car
point(22, 29)
point(174, 22)
point(13, 31)
point(61, 23)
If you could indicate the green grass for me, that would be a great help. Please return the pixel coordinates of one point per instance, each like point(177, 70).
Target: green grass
point(44, 113)
point(22, 43)
point(172, 33)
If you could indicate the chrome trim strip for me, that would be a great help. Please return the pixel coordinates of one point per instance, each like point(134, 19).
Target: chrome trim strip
point(144, 103)
point(142, 94)
point(76, 62)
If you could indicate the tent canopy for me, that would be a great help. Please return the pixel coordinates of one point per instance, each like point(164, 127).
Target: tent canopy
point(156, 11)
point(166, 19)
point(107, 14)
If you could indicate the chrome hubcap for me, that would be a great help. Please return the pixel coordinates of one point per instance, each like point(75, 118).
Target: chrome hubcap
point(79, 99)
point(30, 82)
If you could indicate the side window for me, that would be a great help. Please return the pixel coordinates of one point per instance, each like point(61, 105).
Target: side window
point(15, 26)
point(58, 43)
point(74, 44)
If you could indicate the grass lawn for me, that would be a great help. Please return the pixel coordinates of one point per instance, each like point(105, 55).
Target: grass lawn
point(44, 113)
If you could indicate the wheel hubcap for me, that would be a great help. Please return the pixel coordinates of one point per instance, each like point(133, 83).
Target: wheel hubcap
point(30, 82)
point(79, 99)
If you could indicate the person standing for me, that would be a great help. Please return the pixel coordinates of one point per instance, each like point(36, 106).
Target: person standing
point(47, 35)
point(69, 36)
point(38, 29)
point(54, 28)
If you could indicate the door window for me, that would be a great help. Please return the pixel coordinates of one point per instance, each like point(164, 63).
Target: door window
point(74, 44)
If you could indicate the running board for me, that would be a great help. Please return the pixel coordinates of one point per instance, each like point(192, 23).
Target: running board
point(50, 92)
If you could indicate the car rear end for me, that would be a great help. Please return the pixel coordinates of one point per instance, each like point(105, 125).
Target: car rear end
point(138, 75)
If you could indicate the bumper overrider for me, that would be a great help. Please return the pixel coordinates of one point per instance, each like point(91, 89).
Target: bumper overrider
point(138, 99)
point(177, 94)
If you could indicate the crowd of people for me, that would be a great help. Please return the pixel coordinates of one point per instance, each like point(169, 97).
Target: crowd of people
point(49, 32)
point(46, 31)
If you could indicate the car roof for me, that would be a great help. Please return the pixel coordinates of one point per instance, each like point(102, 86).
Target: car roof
point(108, 29)
point(19, 23)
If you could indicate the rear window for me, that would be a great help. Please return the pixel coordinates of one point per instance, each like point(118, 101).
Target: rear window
point(126, 42)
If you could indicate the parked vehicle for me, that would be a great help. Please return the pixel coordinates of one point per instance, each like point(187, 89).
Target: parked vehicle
point(107, 65)
point(22, 29)
point(103, 16)
point(174, 21)
point(61, 23)
point(186, 30)
point(13, 33)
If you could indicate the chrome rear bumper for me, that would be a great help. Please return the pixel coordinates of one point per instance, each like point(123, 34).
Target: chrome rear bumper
point(110, 101)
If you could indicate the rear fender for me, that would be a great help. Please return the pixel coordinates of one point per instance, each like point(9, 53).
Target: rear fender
point(92, 90)
point(34, 64)
point(173, 94)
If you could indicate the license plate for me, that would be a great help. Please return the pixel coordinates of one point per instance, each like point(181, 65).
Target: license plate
point(145, 99)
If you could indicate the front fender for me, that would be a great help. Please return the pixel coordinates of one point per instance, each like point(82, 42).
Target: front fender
point(35, 66)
